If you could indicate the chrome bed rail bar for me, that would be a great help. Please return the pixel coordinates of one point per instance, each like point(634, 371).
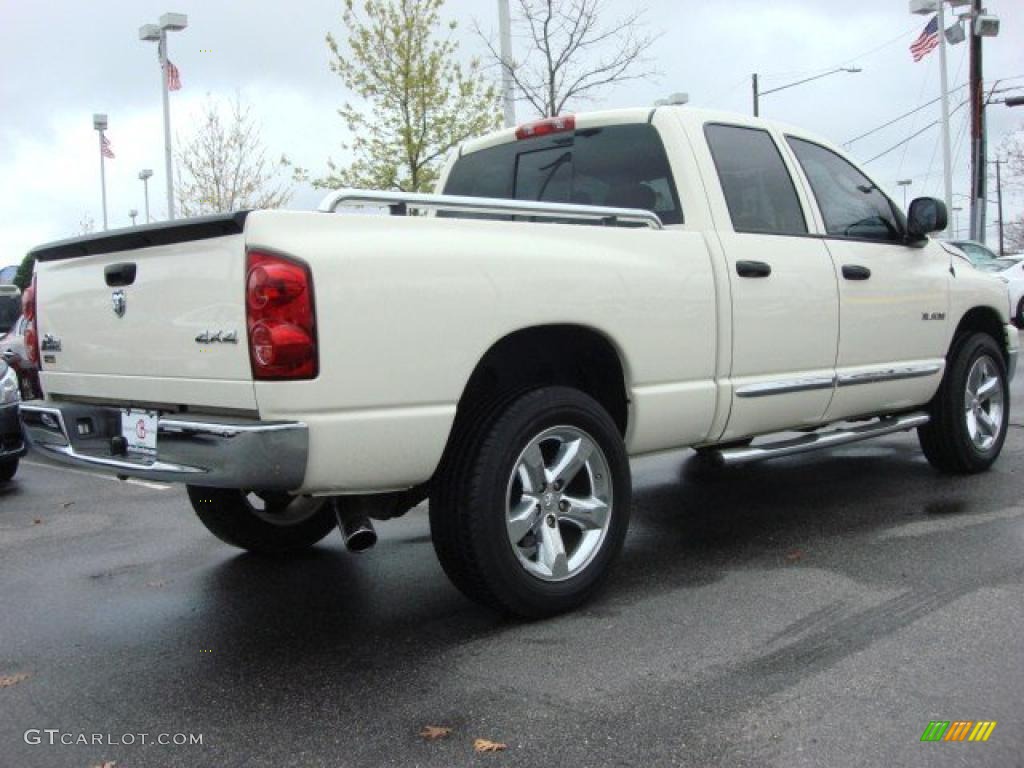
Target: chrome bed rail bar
point(401, 202)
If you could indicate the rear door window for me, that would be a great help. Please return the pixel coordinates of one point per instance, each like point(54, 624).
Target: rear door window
point(758, 188)
point(622, 166)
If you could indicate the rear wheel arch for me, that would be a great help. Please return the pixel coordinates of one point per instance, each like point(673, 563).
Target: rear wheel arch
point(567, 355)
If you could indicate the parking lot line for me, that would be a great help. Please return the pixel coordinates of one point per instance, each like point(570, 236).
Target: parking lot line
point(131, 480)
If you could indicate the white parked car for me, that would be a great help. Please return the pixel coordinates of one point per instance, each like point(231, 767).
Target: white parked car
point(1010, 269)
point(589, 288)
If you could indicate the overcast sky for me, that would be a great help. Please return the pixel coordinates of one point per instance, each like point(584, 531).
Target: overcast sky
point(63, 60)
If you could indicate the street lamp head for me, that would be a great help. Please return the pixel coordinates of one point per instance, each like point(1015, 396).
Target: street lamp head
point(145, 173)
point(1015, 101)
point(923, 7)
point(852, 70)
point(99, 122)
point(904, 182)
point(150, 33)
point(174, 21)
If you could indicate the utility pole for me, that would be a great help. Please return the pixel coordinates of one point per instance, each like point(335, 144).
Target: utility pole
point(977, 98)
point(507, 86)
point(757, 95)
point(999, 193)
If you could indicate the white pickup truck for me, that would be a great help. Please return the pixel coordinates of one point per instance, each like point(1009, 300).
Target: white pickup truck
point(582, 289)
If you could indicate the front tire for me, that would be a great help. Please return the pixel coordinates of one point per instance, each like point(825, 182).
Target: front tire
point(971, 411)
point(267, 524)
point(531, 510)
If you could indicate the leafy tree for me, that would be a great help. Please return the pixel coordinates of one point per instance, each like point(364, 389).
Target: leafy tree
point(573, 50)
point(24, 274)
point(224, 166)
point(421, 102)
point(23, 277)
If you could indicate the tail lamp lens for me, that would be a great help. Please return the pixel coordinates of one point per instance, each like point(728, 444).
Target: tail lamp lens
point(28, 308)
point(280, 318)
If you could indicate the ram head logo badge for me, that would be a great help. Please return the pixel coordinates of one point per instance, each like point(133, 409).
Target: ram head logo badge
point(120, 302)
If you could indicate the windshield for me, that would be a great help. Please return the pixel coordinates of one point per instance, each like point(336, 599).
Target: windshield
point(10, 308)
point(978, 254)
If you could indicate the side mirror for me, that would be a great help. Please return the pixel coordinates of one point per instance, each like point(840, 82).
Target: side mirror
point(926, 215)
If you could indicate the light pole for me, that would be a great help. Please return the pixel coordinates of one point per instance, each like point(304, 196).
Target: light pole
point(904, 183)
point(99, 123)
point(144, 174)
point(938, 7)
point(132, 214)
point(955, 209)
point(758, 93)
point(507, 92)
point(158, 33)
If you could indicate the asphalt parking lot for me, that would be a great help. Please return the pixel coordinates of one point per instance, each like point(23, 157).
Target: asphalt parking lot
point(810, 611)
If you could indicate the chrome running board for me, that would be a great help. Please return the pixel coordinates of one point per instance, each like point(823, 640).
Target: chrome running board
point(884, 426)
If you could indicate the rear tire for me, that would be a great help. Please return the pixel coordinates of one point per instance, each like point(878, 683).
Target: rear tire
point(970, 412)
point(1020, 313)
point(270, 524)
point(530, 510)
point(8, 469)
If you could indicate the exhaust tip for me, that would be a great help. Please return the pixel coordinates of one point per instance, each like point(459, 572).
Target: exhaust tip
point(360, 540)
point(356, 529)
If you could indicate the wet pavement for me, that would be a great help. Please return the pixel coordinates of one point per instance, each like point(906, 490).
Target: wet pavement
point(819, 610)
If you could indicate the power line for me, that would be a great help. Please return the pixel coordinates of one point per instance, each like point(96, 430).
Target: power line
point(905, 115)
point(911, 137)
point(798, 73)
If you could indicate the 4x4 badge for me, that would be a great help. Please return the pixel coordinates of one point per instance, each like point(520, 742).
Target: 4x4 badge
point(120, 302)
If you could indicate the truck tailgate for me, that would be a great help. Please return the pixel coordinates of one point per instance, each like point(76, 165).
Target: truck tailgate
point(171, 334)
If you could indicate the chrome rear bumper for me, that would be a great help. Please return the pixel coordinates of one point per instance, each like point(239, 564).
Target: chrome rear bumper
point(215, 452)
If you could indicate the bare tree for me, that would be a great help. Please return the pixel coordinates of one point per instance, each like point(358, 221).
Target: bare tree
point(1014, 235)
point(1012, 148)
point(224, 166)
point(572, 51)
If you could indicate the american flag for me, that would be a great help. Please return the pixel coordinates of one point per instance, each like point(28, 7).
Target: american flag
point(173, 77)
point(927, 42)
point(105, 146)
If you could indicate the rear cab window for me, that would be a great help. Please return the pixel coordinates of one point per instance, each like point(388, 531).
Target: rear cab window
point(621, 166)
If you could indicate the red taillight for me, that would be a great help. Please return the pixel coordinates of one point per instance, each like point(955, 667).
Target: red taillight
point(547, 126)
point(280, 318)
point(28, 308)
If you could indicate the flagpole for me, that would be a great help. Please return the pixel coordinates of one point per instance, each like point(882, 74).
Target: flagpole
point(947, 160)
point(169, 171)
point(103, 179)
